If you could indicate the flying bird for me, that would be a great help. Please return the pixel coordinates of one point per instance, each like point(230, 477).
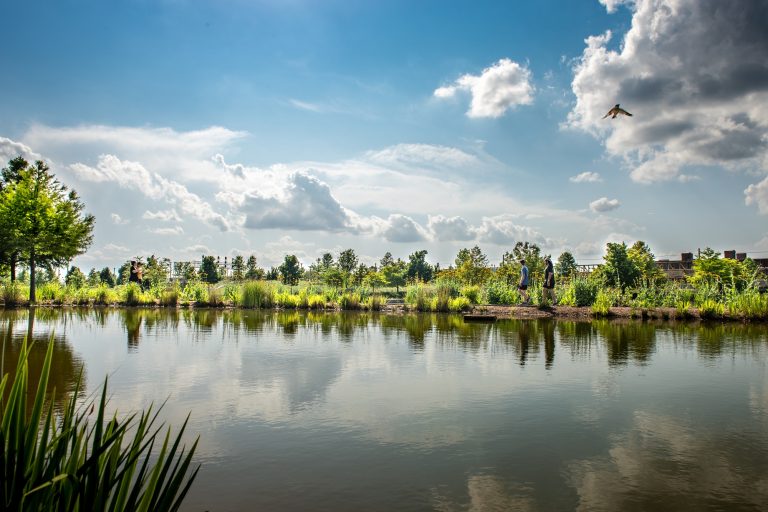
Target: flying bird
point(616, 110)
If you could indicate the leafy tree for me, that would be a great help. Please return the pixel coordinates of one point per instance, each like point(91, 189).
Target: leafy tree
point(710, 268)
point(156, 271)
point(42, 221)
point(8, 254)
point(375, 280)
point(418, 268)
point(209, 270)
point(640, 254)
point(75, 278)
point(107, 277)
point(334, 277)
point(509, 269)
point(618, 269)
point(395, 274)
point(359, 274)
point(252, 269)
point(472, 266)
point(238, 268)
point(291, 270)
point(566, 265)
point(387, 260)
point(124, 272)
point(93, 279)
point(183, 269)
point(273, 274)
point(348, 260)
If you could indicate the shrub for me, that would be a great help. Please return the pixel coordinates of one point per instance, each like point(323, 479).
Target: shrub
point(215, 297)
point(498, 292)
point(316, 301)
point(472, 293)
point(373, 303)
point(749, 304)
point(287, 300)
point(169, 297)
point(131, 297)
point(197, 293)
point(103, 295)
point(350, 301)
point(233, 294)
point(56, 461)
point(711, 309)
point(256, 294)
point(51, 292)
point(460, 304)
point(13, 294)
point(683, 310)
point(602, 304)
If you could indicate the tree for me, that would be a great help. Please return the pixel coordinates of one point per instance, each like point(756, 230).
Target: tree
point(386, 260)
point(209, 270)
point(618, 269)
point(472, 266)
point(156, 271)
point(238, 268)
point(395, 274)
point(348, 261)
point(291, 270)
point(107, 277)
point(252, 269)
point(43, 221)
point(93, 279)
point(75, 278)
point(375, 280)
point(710, 268)
point(418, 268)
point(124, 272)
point(183, 269)
point(9, 175)
point(360, 272)
point(640, 254)
point(334, 277)
point(509, 269)
point(273, 274)
point(566, 265)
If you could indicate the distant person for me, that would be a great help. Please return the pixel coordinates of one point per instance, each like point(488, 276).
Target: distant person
point(135, 275)
point(548, 290)
point(523, 286)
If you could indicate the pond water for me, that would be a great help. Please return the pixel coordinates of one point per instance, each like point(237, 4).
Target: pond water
point(348, 412)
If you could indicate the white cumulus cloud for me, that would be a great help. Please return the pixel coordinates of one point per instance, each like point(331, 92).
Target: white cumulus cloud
point(497, 89)
point(586, 177)
point(449, 228)
point(757, 194)
point(604, 205)
point(694, 75)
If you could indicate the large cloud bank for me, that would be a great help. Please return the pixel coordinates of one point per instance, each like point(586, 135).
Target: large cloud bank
point(695, 75)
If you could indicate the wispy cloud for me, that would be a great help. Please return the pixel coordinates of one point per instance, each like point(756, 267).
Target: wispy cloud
point(586, 177)
point(604, 205)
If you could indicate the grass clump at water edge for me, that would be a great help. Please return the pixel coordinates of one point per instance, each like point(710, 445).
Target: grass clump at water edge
point(71, 460)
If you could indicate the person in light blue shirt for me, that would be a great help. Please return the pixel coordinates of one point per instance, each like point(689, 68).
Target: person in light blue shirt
point(523, 286)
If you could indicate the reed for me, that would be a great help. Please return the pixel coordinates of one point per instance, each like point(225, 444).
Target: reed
point(74, 460)
point(13, 294)
point(256, 294)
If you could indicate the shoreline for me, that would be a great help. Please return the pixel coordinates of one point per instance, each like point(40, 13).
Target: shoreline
point(501, 312)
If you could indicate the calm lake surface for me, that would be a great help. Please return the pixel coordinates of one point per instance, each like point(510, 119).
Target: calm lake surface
point(350, 412)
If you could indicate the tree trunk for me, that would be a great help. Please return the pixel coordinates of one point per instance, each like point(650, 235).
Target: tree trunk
point(32, 276)
point(13, 266)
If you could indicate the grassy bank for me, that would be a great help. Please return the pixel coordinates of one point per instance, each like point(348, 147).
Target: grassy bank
point(705, 301)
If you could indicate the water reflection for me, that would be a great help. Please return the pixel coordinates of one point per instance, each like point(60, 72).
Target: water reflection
point(349, 411)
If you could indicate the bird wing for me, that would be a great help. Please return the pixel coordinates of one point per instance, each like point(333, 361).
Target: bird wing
point(622, 111)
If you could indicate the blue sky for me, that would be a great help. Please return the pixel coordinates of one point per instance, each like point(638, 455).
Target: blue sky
point(273, 127)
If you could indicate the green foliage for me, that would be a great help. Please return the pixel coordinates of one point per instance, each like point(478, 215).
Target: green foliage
point(209, 270)
point(418, 296)
point(373, 303)
point(316, 301)
point(710, 269)
point(132, 295)
point(103, 295)
point(499, 292)
point(287, 300)
point(395, 273)
point(618, 270)
point(566, 265)
point(256, 294)
point(75, 278)
point(42, 221)
point(748, 304)
point(350, 301)
point(252, 269)
point(460, 304)
point(169, 297)
point(472, 266)
point(711, 309)
point(13, 294)
point(52, 293)
point(472, 293)
point(78, 461)
point(418, 268)
point(238, 268)
point(215, 297)
point(291, 270)
point(579, 292)
point(603, 303)
point(534, 260)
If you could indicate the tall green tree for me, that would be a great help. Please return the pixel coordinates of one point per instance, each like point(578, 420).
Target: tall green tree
point(252, 269)
point(618, 269)
point(75, 278)
point(209, 270)
point(8, 254)
point(291, 270)
point(472, 266)
point(418, 268)
point(156, 271)
point(238, 268)
point(531, 253)
point(640, 254)
point(566, 265)
point(395, 273)
point(43, 221)
point(107, 277)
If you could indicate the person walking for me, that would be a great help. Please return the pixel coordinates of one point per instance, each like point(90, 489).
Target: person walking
point(522, 287)
point(548, 289)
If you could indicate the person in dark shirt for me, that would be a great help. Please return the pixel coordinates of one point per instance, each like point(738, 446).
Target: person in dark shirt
point(548, 289)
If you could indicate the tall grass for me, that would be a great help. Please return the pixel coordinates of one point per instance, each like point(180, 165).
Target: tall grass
point(75, 461)
point(579, 292)
point(256, 295)
point(13, 294)
point(602, 304)
point(749, 304)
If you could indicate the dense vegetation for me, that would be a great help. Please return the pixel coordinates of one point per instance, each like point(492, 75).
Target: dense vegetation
point(627, 277)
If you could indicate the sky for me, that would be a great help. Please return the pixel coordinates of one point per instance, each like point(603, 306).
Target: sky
point(275, 127)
